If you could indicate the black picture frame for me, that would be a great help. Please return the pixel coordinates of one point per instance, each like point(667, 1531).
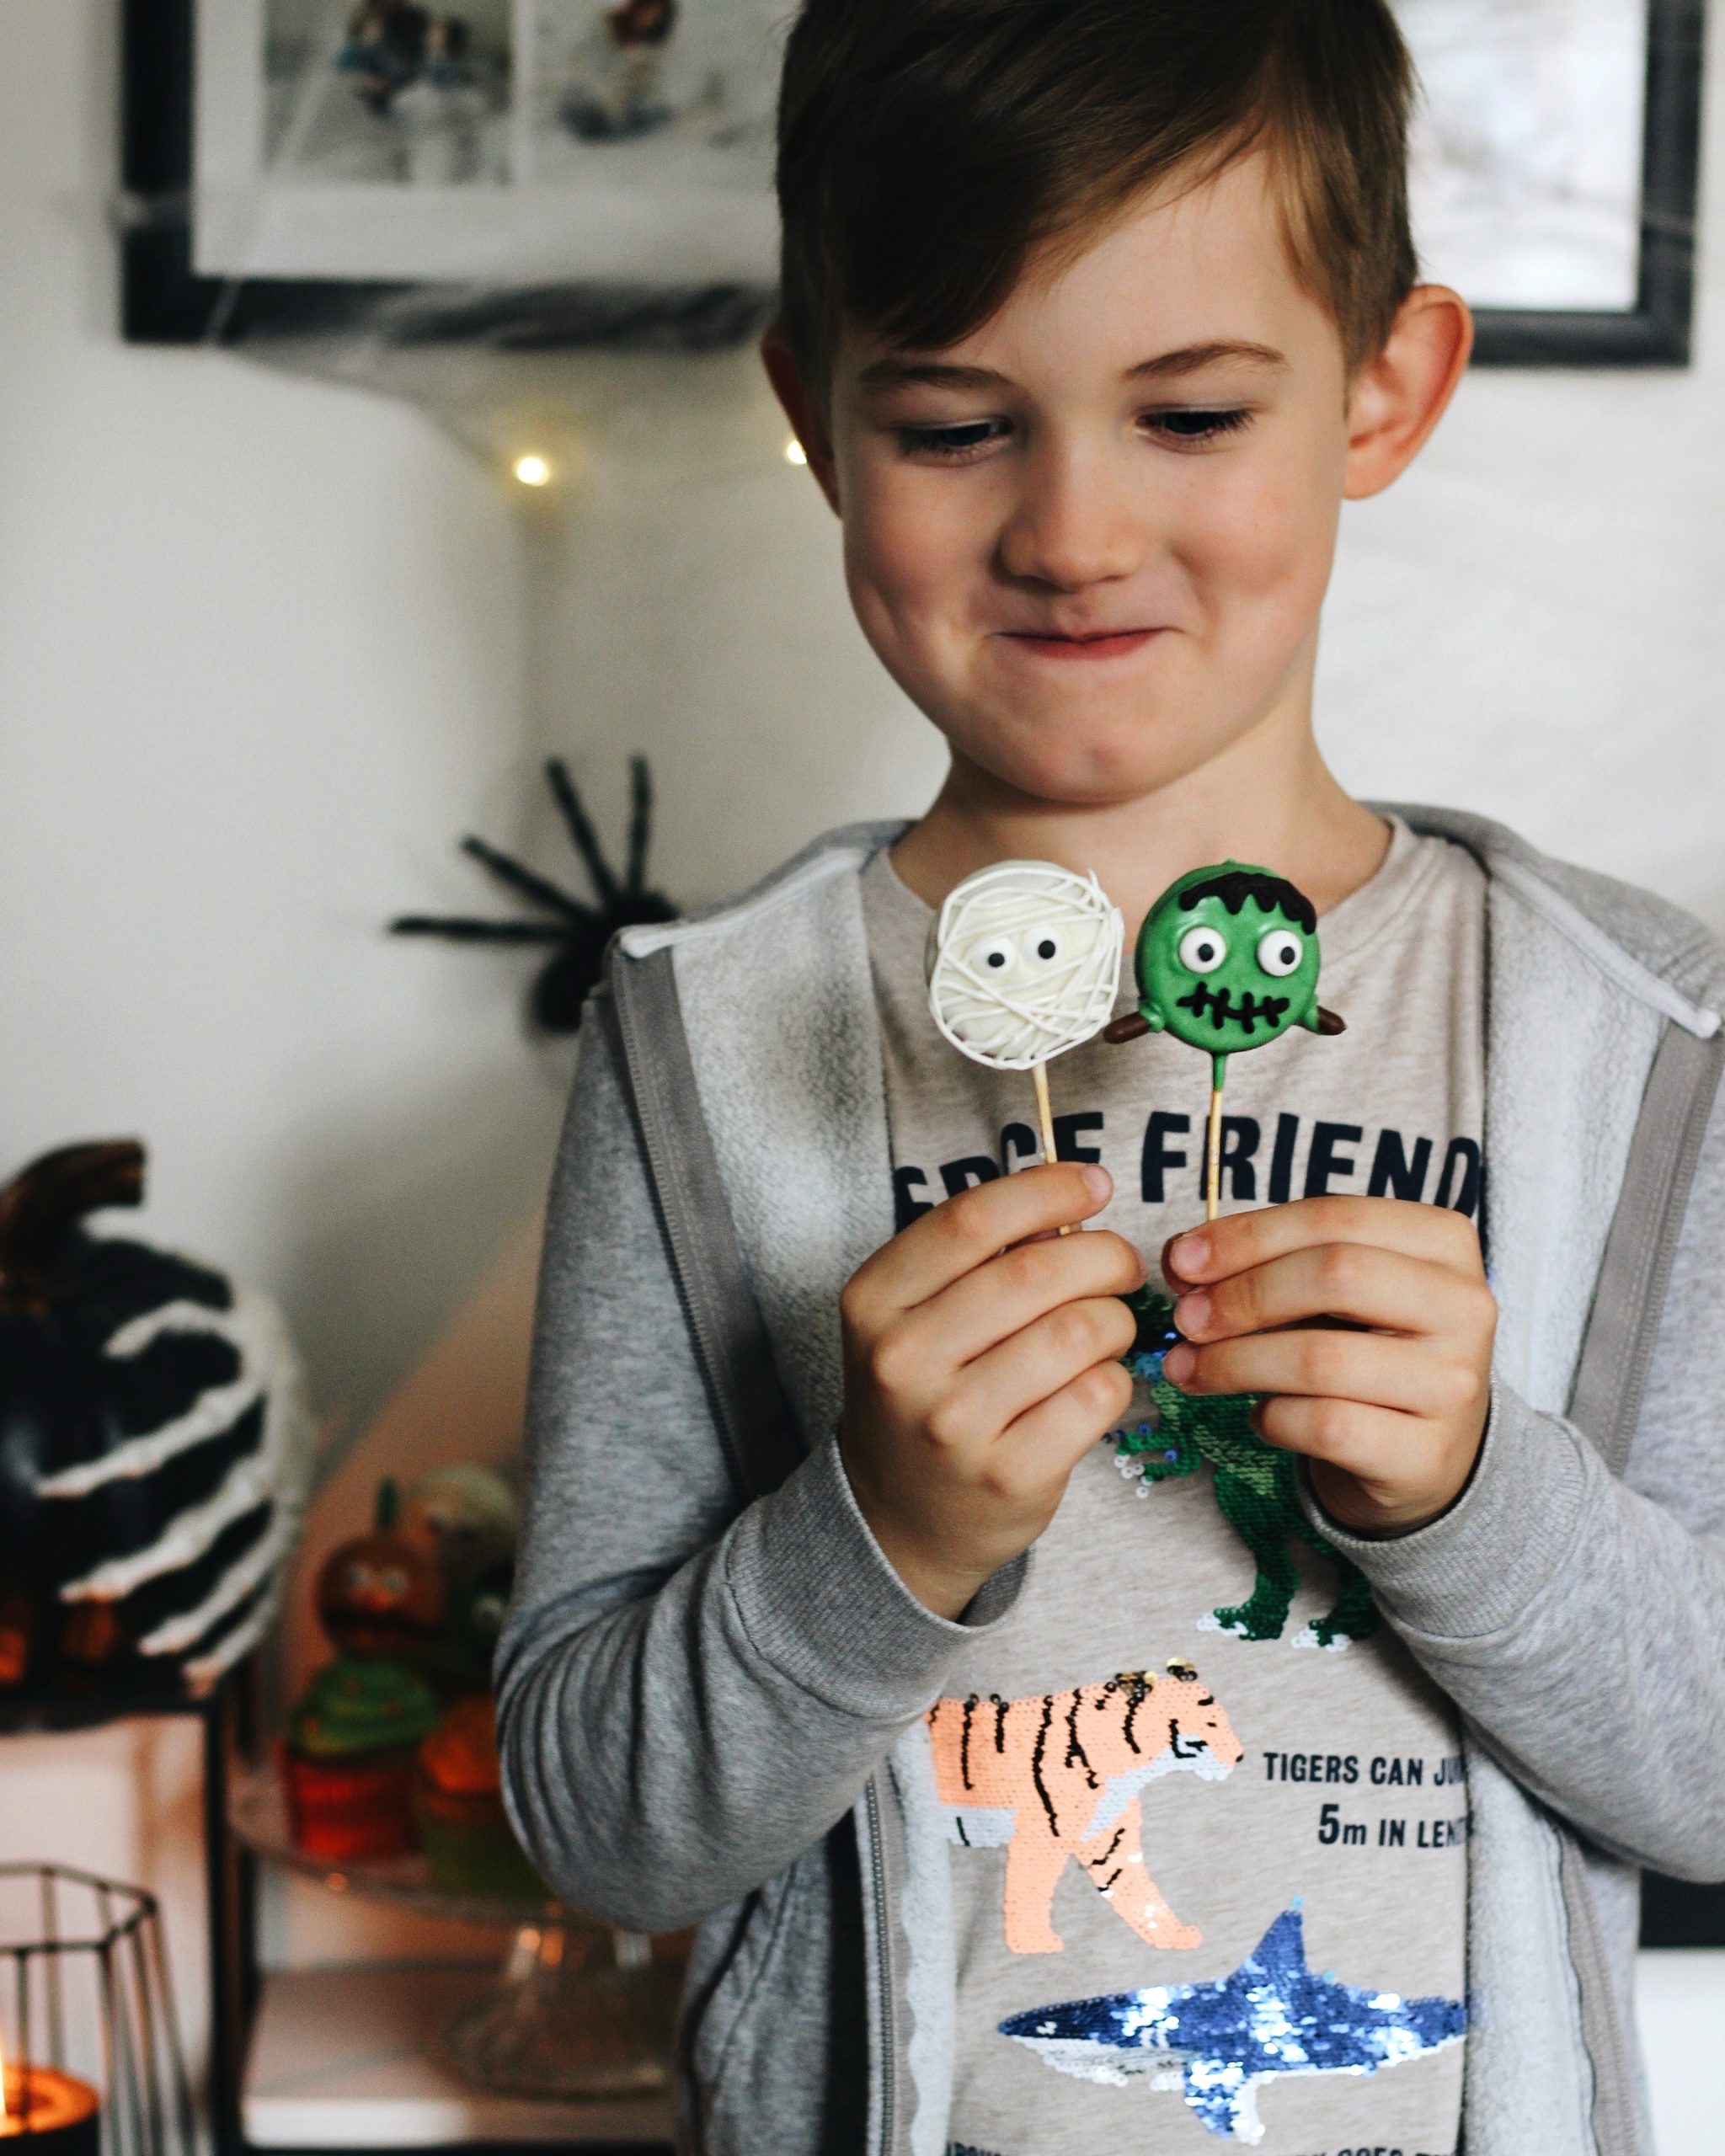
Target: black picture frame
point(164, 301)
point(1658, 333)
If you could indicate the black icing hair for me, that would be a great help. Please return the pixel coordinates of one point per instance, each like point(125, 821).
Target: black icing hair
point(1271, 894)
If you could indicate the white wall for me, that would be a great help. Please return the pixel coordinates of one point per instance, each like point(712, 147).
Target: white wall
point(261, 657)
point(267, 644)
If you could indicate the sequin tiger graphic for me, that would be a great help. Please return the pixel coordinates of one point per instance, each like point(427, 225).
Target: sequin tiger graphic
point(1057, 1779)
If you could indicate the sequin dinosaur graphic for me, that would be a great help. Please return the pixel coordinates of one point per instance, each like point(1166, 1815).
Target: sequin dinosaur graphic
point(1217, 2042)
point(1257, 1491)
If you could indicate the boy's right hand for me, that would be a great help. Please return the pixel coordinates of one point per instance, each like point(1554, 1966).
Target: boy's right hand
point(981, 1363)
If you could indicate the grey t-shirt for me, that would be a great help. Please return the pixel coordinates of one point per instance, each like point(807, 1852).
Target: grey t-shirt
point(1225, 1901)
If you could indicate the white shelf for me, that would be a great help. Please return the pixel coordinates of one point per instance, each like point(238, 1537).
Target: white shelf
point(338, 2061)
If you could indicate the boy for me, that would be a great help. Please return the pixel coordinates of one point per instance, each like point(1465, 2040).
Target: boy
point(1092, 315)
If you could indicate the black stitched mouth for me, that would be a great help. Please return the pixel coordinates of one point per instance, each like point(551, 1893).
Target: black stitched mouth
point(1271, 1009)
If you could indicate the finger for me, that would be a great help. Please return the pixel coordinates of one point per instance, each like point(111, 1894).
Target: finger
point(1320, 1364)
point(1365, 1281)
point(1014, 1290)
point(1033, 1365)
point(1239, 1240)
point(967, 1231)
point(1052, 1437)
point(1354, 1436)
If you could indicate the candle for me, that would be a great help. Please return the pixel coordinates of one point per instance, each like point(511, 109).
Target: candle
point(49, 2113)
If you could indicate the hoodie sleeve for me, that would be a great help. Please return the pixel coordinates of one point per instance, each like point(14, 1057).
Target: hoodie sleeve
point(688, 1696)
point(1579, 1620)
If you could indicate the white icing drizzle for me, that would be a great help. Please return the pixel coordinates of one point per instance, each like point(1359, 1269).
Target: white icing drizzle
point(998, 991)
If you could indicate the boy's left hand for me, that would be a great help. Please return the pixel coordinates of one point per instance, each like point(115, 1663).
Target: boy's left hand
point(1389, 1407)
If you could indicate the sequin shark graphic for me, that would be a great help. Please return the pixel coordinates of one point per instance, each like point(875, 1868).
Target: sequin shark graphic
point(1217, 2042)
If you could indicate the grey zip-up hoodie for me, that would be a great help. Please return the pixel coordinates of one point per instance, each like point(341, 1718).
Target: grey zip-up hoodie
point(709, 1670)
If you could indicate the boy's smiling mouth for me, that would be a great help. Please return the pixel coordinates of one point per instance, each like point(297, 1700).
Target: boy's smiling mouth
point(1088, 644)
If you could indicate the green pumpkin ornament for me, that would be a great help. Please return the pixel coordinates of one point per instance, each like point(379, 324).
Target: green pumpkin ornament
point(1226, 961)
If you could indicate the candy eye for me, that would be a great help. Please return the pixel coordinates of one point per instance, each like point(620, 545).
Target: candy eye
point(392, 1581)
point(1280, 951)
point(1201, 950)
point(1041, 945)
point(356, 1579)
point(995, 957)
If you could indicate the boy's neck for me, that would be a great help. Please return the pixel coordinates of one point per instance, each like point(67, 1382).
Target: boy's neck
point(1269, 798)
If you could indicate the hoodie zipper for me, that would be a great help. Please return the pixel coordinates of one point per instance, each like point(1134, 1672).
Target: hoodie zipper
point(1615, 2127)
point(885, 2018)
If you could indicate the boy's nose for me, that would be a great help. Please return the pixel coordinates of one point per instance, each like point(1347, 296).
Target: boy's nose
point(1070, 528)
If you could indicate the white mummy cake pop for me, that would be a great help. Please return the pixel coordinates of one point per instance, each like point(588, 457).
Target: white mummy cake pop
point(1023, 964)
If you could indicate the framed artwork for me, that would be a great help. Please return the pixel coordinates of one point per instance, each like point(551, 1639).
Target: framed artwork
point(1554, 172)
point(527, 172)
point(566, 172)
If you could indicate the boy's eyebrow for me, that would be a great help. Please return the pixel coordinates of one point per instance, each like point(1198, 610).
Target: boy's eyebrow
point(901, 371)
point(1191, 358)
point(904, 371)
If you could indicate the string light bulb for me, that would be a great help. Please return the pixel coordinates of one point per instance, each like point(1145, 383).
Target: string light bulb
point(533, 470)
point(794, 452)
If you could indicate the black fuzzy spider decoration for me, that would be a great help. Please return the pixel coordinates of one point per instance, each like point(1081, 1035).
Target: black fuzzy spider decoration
point(580, 932)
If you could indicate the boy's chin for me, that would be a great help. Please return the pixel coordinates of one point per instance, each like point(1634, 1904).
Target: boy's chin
point(1070, 766)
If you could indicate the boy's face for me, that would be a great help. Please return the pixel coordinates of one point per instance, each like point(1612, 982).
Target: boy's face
point(1091, 541)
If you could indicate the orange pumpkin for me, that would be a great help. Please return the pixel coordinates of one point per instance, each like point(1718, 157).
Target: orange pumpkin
point(381, 1595)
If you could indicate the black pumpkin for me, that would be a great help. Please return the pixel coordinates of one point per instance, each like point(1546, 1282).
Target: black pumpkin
point(154, 1444)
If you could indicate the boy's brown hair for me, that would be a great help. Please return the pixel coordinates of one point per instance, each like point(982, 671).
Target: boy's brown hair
point(927, 146)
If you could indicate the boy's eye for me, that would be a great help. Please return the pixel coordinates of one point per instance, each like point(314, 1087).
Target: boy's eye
point(1201, 950)
point(964, 438)
point(1279, 951)
point(1183, 424)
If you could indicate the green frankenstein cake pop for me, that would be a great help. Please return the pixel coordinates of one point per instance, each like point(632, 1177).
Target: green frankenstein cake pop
point(1226, 960)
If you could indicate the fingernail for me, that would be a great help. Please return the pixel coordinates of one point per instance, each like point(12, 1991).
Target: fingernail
point(1099, 1182)
point(1179, 1362)
point(1192, 1316)
point(1189, 1254)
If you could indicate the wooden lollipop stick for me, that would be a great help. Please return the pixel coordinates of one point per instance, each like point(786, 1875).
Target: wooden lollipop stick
point(1213, 1171)
point(1045, 1115)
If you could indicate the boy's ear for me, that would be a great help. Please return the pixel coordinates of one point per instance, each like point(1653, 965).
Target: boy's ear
point(807, 421)
point(1399, 397)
